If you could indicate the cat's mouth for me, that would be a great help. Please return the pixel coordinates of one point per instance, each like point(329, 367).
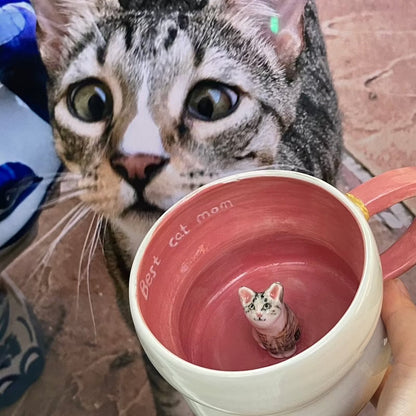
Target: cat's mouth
point(138, 171)
point(142, 206)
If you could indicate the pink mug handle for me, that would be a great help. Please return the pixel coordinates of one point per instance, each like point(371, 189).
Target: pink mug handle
point(380, 193)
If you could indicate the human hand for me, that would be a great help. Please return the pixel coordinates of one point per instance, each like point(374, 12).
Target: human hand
point(397, 394)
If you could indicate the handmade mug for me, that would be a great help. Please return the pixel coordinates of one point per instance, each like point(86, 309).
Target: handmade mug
point(253, 229)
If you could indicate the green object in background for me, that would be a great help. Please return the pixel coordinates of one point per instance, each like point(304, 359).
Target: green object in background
point(274, 24)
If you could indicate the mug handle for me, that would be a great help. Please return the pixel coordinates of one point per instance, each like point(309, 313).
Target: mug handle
point(380, 193)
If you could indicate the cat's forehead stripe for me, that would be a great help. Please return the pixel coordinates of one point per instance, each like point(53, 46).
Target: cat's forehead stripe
point(100, 34)
point(128, 30)
point(128, 33)
point(164, 5)
point(199, 55)
point(183, 21)
point(81, 45)
point(171, 36)
point(102, 53)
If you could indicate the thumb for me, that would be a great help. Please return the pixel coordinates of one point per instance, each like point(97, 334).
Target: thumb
point(399, 317)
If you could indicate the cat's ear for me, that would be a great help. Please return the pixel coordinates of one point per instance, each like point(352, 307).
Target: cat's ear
point(53, 26)
point(246, 295)
point(276, 292)
point(280, 21)
point(52, 22)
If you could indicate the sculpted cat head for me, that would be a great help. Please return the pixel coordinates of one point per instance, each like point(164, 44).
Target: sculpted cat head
point(152, 99)
point(263, 309)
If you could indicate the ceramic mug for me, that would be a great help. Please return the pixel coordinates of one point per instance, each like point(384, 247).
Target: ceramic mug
point(253, 229)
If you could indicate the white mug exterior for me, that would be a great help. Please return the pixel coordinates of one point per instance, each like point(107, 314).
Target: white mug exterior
point(335, 376)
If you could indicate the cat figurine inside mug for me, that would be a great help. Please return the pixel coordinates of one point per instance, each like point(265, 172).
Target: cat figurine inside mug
point(275, 326)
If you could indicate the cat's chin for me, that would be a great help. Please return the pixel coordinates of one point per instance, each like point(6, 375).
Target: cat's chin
point(142, 207)
point(263, 324)
point(132, 227)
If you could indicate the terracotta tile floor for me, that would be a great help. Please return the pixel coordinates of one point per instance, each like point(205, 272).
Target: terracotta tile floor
point(93, 364)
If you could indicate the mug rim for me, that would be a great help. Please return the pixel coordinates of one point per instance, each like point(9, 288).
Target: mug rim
point(366, 234)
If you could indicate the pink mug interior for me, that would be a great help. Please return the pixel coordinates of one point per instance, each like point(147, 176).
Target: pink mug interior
point(250, 232)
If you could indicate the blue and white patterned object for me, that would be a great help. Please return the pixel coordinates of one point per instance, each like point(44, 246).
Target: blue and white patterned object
point(17, 181)
point(21, 69)
point(28, 162)
point(16, 18)
point(28, 165)
point(22, 356)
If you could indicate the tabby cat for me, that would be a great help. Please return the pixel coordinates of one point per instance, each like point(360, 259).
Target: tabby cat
point(150, 99)
point(275, 326)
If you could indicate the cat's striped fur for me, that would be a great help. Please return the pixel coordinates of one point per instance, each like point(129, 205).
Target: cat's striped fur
point(144, 147)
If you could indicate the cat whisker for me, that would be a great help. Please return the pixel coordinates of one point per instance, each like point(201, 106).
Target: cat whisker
point(60, 176)
point(37, 179)
point(55, 227)
point(78, 214)
point(62, 198)
point(91, 242)
point(93, 247)
point(85, 247)
point(65, 191)
point(66, 179)
point(103, 231)
point(99, 33)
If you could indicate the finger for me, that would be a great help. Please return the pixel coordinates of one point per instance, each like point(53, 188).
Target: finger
point(376, 396)
point(399, 317)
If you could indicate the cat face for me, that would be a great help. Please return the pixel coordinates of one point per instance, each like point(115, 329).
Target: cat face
point(262, 309)
point(150, 100)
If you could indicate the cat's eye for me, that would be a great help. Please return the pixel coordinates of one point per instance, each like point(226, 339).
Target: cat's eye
point(251, 307)
point(267, 306)
point(90, 100)
point(211, 101)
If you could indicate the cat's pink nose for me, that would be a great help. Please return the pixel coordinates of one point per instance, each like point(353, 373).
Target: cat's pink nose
point(139, 166)
point(259, 314)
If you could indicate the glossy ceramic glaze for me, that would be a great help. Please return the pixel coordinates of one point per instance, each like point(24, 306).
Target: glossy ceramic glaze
point(250, 230)
point(248, 233)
